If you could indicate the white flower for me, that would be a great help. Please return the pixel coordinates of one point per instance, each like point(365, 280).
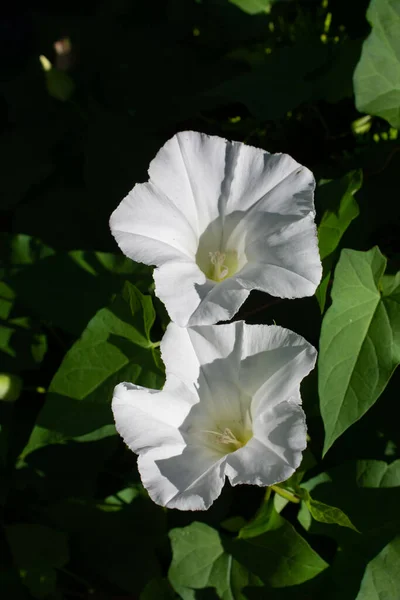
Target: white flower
point(230, 407)
point(220, 219)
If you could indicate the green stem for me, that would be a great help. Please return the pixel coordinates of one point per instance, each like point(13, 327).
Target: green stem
point(285, 494)
point(267, 495)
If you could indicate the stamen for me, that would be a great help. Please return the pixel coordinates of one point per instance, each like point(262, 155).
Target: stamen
point(220, 270)
point(226, 437)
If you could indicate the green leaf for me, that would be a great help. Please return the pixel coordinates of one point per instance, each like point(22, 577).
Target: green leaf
point(114, 347)
point(280, 556)
point(378, 474)
point(337, 200)
point(67, 289)
point(341, 208)
point(20, 250)
point(359, 344)
point(200, 561)
point(253, 7)
point(381, 579)
point(368, 491)
point(260, 523)
point(37, 550)
point(360, 488)
point(22, 344)
point(324, 513)
point(377, 75)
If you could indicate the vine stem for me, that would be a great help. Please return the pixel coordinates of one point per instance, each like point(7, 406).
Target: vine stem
point(285, 494)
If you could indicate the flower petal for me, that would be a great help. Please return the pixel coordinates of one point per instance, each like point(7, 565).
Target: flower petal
point(273, 183)
point(190, 481)
point(275, 451)
point(284, 263)
point(256, 357)
point(274, 362)
point(149, 228)
point(147, 418)
point(184, 350)
point(190, 168)
point(192, 299)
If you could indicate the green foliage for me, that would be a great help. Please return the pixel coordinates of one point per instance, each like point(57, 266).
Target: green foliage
point(200, 561)
point(324, 513)
point(273, 554)
point(253, 7)
point(114, 347)
point(377, 76)
point(336, 218)
point(359, 346)
point(82, 281)
point(381, 578)
point(361, 489)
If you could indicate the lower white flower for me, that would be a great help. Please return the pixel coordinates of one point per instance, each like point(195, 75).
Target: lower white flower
point(230, 407)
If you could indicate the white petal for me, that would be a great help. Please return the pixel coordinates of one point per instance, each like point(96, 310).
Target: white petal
point(184, 350)
point(190, 168)
point(274, 362)
point(275, 183)
point(190, 481)
point(146, 418)
point(284, 263)
point(191, 299)
point(275, 451)
point(221, 303)
point(150, 229)
point(256, 357)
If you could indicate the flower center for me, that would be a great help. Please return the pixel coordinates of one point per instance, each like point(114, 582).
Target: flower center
point(229, 439)
point(221, 265)
point(226, 437)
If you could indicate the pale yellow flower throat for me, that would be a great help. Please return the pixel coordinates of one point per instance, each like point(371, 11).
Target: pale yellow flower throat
point(226, 437)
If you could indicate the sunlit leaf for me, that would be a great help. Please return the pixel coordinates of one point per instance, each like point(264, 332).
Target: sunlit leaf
point(200, 561)
point(377, 76)
point(253, 7)
point(114, 347)
point(359, 345)
point(324, 513)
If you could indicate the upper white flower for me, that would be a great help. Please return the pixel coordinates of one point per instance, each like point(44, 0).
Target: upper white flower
point(230, 407)
point(219, 219)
